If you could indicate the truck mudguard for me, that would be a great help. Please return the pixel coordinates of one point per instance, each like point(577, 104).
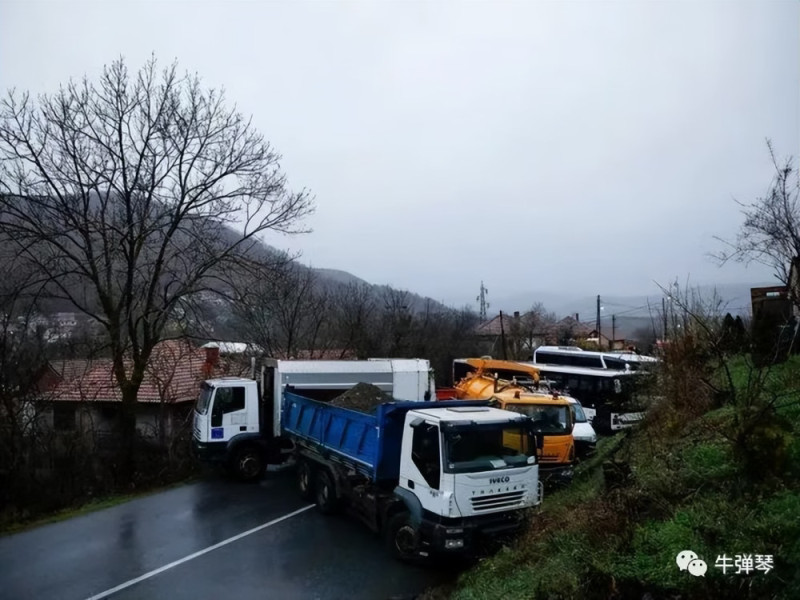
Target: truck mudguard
point(412, 503)
point(242, 438)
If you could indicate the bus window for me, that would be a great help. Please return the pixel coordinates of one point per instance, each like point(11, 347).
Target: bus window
point(545, 358)
point(594, 362)
point(615, 363)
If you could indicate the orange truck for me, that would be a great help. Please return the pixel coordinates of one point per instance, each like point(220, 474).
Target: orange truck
point(550, 412)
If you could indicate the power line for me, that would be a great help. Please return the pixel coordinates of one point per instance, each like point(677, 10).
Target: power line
point(624, 312)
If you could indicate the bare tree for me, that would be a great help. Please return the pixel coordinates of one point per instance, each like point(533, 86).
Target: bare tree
point(396, 320)
point(770, 234)
point(700, 371)
point(22, 357)
point(133, 195)
point(300, 311)
point(527, 329)
point(354, 309)
point(284, 310)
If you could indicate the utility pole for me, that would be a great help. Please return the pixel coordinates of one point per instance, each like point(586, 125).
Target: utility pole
point(599, 341)
point(503, 337)
point(664, 313)
point(613, 328)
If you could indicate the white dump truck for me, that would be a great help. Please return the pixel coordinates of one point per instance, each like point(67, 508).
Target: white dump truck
point(432, 477)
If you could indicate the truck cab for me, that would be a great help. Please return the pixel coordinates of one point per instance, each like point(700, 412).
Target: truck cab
point(552, 419)
point(459, 462)
point(551, 414)
point(225, 408)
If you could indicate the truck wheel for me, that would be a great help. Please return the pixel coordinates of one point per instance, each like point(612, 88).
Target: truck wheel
point(248, 464)
point(402, 540)
point(327, 501)
point(305, 479)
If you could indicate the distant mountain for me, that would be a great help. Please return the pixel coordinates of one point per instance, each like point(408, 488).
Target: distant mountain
point(337, 276)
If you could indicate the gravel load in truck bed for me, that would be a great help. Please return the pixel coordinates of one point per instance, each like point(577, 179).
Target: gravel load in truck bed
point(363, 397)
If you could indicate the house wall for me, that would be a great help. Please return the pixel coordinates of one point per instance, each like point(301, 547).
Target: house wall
point(152, 420)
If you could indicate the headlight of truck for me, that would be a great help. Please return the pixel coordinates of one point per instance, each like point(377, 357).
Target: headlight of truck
point(453, 544)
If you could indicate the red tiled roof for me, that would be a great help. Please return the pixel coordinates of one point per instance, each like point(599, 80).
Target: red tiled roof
point(572, 323)
point(71, 368)
point(492, 326)
point(174, 375)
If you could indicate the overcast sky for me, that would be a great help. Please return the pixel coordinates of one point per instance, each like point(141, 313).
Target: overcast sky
point(586, 147)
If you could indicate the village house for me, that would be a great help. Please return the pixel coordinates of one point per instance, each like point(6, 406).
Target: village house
point(83, 396)
point(512, 336)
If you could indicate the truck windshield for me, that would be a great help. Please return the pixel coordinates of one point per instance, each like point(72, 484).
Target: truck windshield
point(547, 419)
point(206, 391)
point(481, 448)
point(577, 413)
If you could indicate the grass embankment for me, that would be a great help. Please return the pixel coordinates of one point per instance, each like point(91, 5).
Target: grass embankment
point(720, 476)
point(17, 521)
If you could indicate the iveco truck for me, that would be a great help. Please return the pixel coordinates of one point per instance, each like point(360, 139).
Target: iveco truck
point(432, 477)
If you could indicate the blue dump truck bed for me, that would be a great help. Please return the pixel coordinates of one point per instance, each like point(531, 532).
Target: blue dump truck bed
point(370, 442)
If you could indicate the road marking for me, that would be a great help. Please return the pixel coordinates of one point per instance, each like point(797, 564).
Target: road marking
point(180, 561)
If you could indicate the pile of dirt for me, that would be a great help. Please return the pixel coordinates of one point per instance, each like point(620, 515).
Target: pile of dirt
point(364, 397)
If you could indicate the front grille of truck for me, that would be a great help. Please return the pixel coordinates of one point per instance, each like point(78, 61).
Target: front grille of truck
point(495, 501)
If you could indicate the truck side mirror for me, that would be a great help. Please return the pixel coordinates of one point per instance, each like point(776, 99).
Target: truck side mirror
point(416, 423)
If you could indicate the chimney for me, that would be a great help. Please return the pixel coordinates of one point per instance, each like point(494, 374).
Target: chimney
point(212, 356)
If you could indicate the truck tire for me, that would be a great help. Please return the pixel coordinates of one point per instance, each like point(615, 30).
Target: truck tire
point(325, 493)
point(248, 464)
point(305, 479)
point(401, 537)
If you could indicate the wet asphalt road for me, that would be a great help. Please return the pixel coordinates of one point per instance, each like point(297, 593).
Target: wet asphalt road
point(307, 555)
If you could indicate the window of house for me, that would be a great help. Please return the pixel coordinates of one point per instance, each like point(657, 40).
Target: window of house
point(63, 416)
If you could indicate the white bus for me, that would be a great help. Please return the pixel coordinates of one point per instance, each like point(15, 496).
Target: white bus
point(572, 356)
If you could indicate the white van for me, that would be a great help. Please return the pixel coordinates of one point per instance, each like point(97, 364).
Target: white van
point(582, 431)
